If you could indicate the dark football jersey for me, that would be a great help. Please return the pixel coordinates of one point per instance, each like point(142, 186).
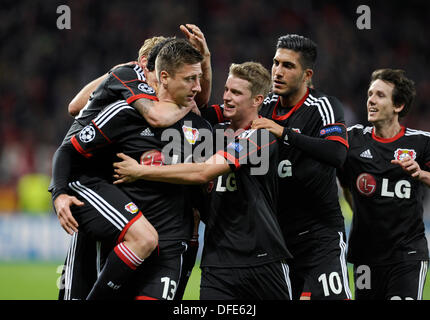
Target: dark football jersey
point(127, 82)
point(241, 227)
point(213, 114)
point(387, 224)
point(120, 128)
point(308, 193)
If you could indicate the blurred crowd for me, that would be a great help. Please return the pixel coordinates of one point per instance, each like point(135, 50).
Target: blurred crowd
point(43, 67)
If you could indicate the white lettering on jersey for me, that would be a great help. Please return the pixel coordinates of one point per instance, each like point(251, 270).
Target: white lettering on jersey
point(285, 169)
point(402, 189)
point(230, 183)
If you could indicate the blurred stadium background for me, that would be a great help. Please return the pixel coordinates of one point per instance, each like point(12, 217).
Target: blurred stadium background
point(43, 67)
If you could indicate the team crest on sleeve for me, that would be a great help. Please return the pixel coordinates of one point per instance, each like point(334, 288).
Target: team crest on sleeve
point(131, 207)
point(191, 134)
point(87, 134)
point(401, 154)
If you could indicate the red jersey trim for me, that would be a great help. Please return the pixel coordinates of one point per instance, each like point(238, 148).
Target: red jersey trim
point(141, 96)
point(127, 226)
point(134, 80)
point(258, 148)
point(123, 83)
point(144, 298)
point(104, 136)
point(294, 109)
point(219, 113)
point(248, 127)
point(78, 148)
point(383, 140)
point(229, 157)
point(339, 139)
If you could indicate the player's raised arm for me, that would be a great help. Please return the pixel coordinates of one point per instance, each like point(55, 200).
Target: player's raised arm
point(198, 40)
point(81, 99)
point(128, 170)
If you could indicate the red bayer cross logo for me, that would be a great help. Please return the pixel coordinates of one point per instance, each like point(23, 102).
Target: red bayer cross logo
point(366, 184)
point(152, 158)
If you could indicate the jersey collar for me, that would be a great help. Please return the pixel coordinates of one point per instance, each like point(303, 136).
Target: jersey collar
point(239, 131)
point(388, 140)
point(286, 116)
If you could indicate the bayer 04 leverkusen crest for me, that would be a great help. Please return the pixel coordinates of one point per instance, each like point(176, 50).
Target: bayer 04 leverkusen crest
point(191, 134)
point(400, 154)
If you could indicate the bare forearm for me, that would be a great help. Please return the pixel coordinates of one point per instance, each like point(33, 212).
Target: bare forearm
point(188, 173)
point(80, 100)
point(202, 98)
point(185, 173)
point(424, 177)
point(160, 114)
point(129, 170)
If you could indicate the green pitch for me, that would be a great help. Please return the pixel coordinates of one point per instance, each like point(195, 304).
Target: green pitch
point(38, 281)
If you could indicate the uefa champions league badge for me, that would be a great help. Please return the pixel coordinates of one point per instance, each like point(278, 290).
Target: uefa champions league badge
point(87, 134)
point(401, 154)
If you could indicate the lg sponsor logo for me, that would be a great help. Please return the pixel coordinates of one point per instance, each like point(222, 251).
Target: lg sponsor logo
point(367, 185)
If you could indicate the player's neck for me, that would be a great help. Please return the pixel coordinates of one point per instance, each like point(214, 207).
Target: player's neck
point(292, 99)
point(243, 123)
point(164, 96)
point(387, 129)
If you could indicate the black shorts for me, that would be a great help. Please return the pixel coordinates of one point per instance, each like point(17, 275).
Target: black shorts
point(107, 212)
point(103, 220)
point(157, 278)
point(187, 267)
point(319, 269)
point(84, 261)
point(265, 282)
point(401, 281)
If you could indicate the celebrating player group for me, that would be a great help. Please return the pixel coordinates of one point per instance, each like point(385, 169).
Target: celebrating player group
point(151, 154)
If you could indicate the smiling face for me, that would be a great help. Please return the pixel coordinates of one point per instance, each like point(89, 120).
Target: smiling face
point(380, 107)
point(184, 85)
point(237, 98)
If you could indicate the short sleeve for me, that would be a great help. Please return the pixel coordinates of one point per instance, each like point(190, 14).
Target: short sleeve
point(213, 114)
point(104, 129)
point(129, 83)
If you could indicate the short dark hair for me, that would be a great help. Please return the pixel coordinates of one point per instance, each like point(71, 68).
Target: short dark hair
point(175, 54)
point(404, 89)
point(306, 47)
point(152, 55)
